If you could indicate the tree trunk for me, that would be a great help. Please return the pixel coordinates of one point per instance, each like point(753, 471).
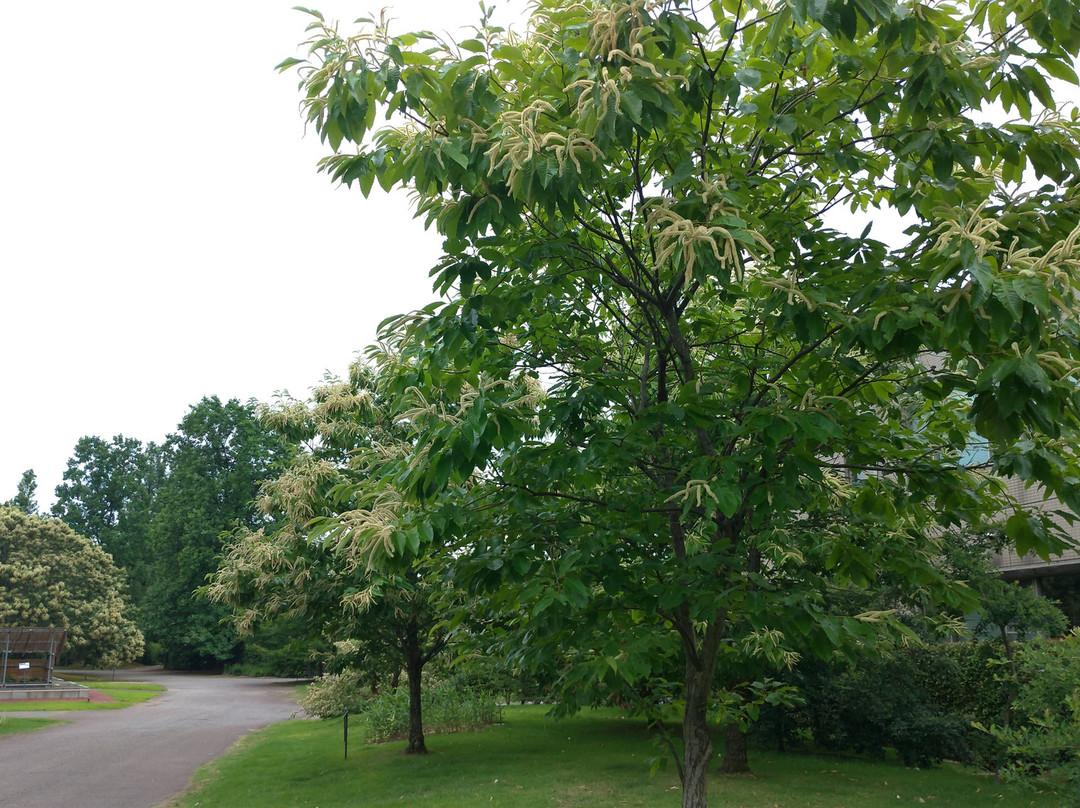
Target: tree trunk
point(697, 742)
point(414, 664)
point(735, 760)
point(1007, 717)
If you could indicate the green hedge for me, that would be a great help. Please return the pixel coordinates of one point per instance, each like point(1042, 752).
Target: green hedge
point(919, 702)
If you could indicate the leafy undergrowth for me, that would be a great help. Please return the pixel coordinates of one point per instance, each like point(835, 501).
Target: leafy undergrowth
point(596, 760)
point(449, 706)
point(123, 694)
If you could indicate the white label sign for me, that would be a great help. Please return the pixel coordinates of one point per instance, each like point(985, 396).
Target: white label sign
point(24, 666)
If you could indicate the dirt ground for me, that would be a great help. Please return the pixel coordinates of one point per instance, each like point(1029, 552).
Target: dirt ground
point(142, 755)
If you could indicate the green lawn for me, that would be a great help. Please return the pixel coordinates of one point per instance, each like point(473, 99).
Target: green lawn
point(597, 760)
point(108, 684)
point(10, 726)
point(99, 680)
point(125, 693)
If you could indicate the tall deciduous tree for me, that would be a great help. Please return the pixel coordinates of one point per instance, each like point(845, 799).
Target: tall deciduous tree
point(217, 458)
point(107, 495)
point(25, 498)
point(51, 576)
point(745, 407)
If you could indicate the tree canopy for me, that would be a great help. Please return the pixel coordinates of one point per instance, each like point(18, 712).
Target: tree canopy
point(25, 498)
point(745, 407)
point(216, 460)
point(334, 556)
point(107, 495)
point(52, 577)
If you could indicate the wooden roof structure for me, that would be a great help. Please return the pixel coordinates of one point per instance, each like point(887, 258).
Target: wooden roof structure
point(28, 655)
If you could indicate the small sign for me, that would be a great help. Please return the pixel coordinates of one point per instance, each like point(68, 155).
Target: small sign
point(24, 666)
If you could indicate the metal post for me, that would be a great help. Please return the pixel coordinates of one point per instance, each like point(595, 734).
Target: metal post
point(346, 725)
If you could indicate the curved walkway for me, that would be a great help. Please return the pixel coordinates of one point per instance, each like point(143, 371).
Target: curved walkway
point(142, 755)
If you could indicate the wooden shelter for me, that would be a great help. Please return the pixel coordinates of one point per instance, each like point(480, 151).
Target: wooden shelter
point(29, 655)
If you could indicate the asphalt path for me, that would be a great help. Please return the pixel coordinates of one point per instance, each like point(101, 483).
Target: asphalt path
point(141, 755)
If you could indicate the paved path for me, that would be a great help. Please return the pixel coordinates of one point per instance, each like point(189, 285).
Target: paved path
point(141, 755)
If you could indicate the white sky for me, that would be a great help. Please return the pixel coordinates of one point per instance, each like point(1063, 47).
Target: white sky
point(164, 235)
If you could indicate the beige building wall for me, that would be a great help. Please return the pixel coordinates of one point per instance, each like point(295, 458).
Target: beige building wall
point(1014, 566)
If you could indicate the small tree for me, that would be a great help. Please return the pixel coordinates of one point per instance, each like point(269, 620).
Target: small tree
point(347, 554)
point(51, 576)
point(1006, 610)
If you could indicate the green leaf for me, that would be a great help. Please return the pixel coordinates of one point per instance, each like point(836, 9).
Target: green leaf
point(728, 499)
point(285, 64)
point(1033, 291)
point(943, 164)
point(832, 629)
point(630, 104)
point(748, 77)
point(332, 133)
point(450, 149)
point(786, 124)
point(1056, 67)
point(1019, 530)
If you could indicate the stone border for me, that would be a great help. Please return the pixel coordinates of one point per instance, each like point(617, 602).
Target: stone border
point(59, 690)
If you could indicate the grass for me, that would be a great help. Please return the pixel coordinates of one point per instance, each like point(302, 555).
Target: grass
point(11, 726)
point(125, 693)
point(98, 682)
point(597, 760)
point(126, 687)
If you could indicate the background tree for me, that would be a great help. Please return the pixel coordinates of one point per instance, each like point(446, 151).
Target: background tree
point(633, 199)
point(1007, 611)
point(216, 460)
point(107, 495)
point(51, 576)
point(25, 498)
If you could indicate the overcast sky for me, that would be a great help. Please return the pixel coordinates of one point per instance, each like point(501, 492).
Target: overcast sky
point(164, 235)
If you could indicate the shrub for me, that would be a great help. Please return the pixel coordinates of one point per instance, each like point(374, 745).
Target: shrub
point(1042, 742)
point(977, 691)
point(334, 694)
point(448, 705)
point(920, 701)
point(506, 684)
point(266, 660)
point(961, 701)
point(979, 695)
point(884, 702)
